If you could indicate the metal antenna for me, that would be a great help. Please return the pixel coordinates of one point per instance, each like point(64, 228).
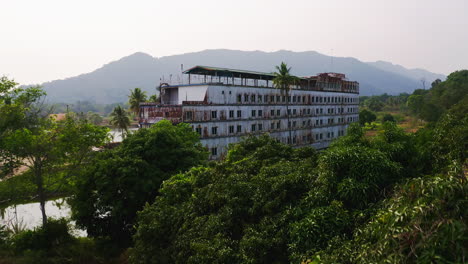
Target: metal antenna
point(182, 72)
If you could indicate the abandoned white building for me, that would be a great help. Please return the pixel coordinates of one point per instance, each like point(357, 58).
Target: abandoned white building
point(222, 105)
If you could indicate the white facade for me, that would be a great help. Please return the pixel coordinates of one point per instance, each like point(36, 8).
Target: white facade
point(222, 114)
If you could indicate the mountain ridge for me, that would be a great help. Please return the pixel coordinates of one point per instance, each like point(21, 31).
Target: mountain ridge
point(111, 82)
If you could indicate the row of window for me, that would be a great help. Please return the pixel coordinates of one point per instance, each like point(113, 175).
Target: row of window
point(276, 125)
point(254, 98)
point(305, 139)
point(276, 112)
point(318, 137)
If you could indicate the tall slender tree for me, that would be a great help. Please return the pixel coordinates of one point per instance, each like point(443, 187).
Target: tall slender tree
point(284, 81)
point(136, 97)
point(29, 137)
point(120, 120)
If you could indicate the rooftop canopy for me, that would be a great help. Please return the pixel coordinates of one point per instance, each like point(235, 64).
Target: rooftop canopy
point(224, 72)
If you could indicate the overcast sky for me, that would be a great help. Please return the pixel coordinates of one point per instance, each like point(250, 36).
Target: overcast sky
point(53, 39)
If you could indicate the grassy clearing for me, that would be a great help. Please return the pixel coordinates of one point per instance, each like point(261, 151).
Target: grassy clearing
point(409, 123)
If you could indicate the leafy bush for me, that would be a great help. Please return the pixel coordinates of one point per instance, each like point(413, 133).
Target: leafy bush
point(4, 234)
point(399, 118)
point(423, 222)
point(314, 231)
point(388, 118)
point(54, 244)
point(366, 116)
point(54, 234)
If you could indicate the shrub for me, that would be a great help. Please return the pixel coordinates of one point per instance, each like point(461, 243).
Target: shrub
point(366, 116)
point(3, 236)
point(388, 117)
point(54, 234)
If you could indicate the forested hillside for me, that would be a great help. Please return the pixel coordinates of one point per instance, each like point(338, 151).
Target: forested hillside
point(111, 83)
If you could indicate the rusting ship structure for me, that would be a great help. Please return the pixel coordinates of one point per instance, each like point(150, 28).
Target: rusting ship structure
point(222, 105)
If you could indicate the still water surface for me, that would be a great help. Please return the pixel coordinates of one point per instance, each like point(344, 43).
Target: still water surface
point(29, 215)
point(117, 136)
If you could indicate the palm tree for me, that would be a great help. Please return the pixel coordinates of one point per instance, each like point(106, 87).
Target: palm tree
point(153, 98)
point(136, 97)
point(120, 120)
point(284, 81)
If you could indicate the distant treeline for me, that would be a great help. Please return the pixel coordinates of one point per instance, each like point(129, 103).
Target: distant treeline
point(426, 104)
point(85, 107)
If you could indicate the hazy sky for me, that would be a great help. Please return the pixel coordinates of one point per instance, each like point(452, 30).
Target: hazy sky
point(52, 39)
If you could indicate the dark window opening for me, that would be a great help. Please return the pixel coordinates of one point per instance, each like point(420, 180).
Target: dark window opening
point(214, 151)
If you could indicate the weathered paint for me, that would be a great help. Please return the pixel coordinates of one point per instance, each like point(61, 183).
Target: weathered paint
point(317, 117)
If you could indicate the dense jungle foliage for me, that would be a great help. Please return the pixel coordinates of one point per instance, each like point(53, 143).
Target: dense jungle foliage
point(393, 197)
point(360, 201)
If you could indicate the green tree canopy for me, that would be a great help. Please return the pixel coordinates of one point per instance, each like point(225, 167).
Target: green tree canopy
point(39, 142)
point(388, 117)
point(267, 202)
point(153, 98)
point(374, 104)
point(431, 104)
point(366, 116)
point(235, 211)
point(120, 181)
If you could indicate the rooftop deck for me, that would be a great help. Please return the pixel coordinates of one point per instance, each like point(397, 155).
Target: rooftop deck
point(204, 75)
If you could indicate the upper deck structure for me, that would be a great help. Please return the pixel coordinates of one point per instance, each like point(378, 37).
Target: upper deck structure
point(222, 105)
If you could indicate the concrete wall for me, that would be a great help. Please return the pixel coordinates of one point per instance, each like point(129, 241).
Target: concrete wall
point(317, 117)
point(192, 93)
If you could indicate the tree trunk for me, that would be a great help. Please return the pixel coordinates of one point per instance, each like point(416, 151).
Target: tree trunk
point(40, 192)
